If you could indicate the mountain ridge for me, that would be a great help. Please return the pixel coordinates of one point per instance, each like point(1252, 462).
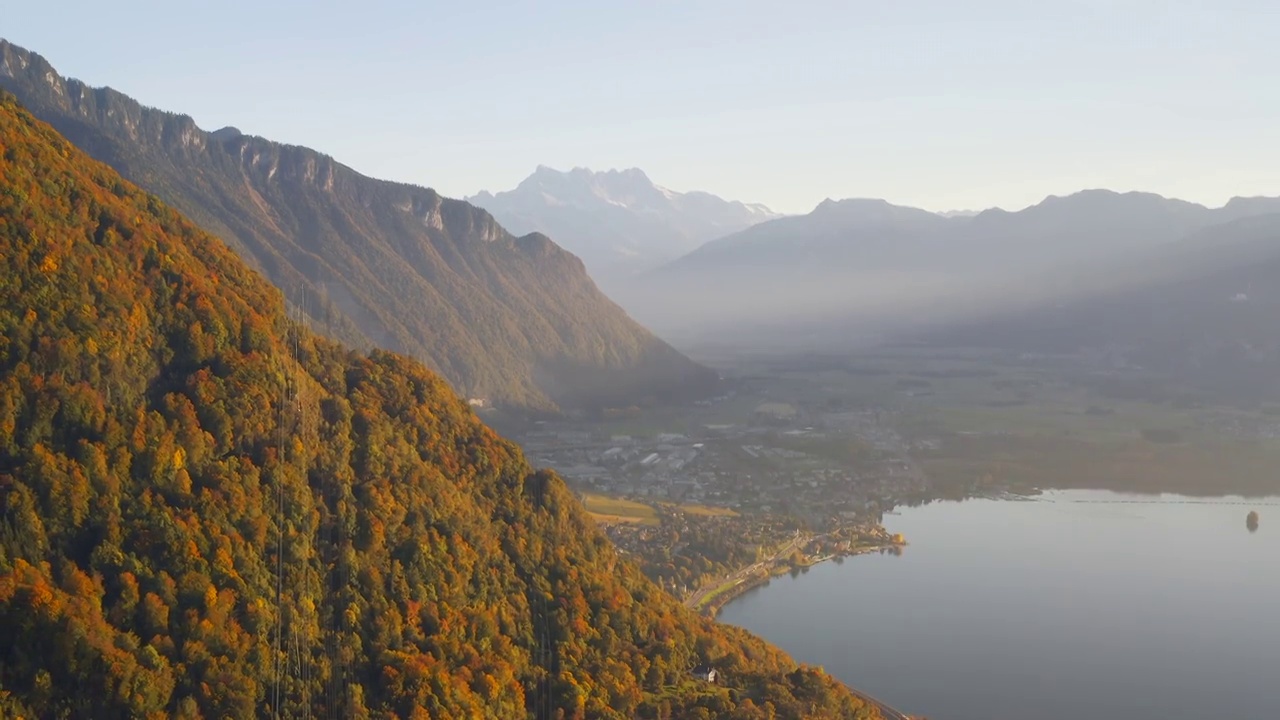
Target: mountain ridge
point(512, 320)
point(885, 266)
point(1198, 317)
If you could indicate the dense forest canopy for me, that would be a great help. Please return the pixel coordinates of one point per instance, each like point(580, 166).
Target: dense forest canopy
point(206, 510)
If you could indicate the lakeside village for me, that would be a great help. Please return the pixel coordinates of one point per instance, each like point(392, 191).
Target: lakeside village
point(713, 511)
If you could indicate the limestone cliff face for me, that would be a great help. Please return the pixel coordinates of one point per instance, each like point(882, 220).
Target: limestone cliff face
point(375, 263)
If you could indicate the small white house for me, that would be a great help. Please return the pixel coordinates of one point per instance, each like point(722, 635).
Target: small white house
point(705, 673)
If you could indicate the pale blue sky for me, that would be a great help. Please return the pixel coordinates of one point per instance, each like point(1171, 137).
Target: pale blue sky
point(939, 104)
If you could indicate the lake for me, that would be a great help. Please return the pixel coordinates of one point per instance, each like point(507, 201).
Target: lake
point(1078, 604)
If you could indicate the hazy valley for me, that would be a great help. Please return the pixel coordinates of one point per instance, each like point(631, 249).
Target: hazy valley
point(279, 438)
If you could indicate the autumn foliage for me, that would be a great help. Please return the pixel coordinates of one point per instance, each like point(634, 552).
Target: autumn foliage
point(514, 320)
point(208, 511)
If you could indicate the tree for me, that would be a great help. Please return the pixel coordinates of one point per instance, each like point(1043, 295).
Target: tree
point(199, 523)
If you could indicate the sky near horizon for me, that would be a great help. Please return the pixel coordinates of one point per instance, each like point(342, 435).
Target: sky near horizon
point(932, 103)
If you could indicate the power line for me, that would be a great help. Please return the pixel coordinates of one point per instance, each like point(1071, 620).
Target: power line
point(289, 669)
point(280, 449)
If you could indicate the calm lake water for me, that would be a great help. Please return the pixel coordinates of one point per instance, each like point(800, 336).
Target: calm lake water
point(1071, 606)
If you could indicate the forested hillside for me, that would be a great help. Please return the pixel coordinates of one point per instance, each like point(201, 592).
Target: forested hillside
point(512, 320)
point(206, 510)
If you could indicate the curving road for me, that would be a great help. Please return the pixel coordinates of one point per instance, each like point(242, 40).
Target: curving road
point(749, 571)
point(886, 712)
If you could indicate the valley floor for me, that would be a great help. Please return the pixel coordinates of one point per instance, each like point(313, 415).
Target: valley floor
point(803, 456)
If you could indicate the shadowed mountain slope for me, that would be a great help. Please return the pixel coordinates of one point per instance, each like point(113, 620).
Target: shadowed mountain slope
point(514, 320)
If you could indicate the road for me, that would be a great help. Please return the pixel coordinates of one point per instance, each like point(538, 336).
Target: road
point(797, 541)
point(886, 712)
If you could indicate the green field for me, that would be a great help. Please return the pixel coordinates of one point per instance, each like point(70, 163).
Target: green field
point(1206, 467)
point(607, 509)
point(1033, 429)
point(720, 590)
point(707, 510)
point(1032, 424)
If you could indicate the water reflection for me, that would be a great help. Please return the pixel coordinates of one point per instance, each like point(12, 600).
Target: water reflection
point(1074, 605)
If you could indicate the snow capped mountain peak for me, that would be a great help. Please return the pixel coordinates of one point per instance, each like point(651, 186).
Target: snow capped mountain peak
point(617, 217)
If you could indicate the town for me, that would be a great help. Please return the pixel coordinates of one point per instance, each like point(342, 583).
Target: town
point(721, 506)
point(842, 467)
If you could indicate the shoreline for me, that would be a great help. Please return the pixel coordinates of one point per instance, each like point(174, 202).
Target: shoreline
point(887, 712)
point(712, 607)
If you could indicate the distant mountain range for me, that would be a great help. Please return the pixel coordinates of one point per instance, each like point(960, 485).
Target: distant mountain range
point(873, 268)
point(1197, 315)
point(619, 222)
point(510, 319)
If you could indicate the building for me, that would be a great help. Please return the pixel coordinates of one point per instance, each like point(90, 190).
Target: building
point(705, 673)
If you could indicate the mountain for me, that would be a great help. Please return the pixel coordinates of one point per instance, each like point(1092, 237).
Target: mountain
point(1084, 226)
point(618, 222)
point(875, 233)
point(855, 230)
point(206, 510)
point(514, 320)
point(1198, 315)
point(1243, 207)
point(761, 281)
point(869, 267)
